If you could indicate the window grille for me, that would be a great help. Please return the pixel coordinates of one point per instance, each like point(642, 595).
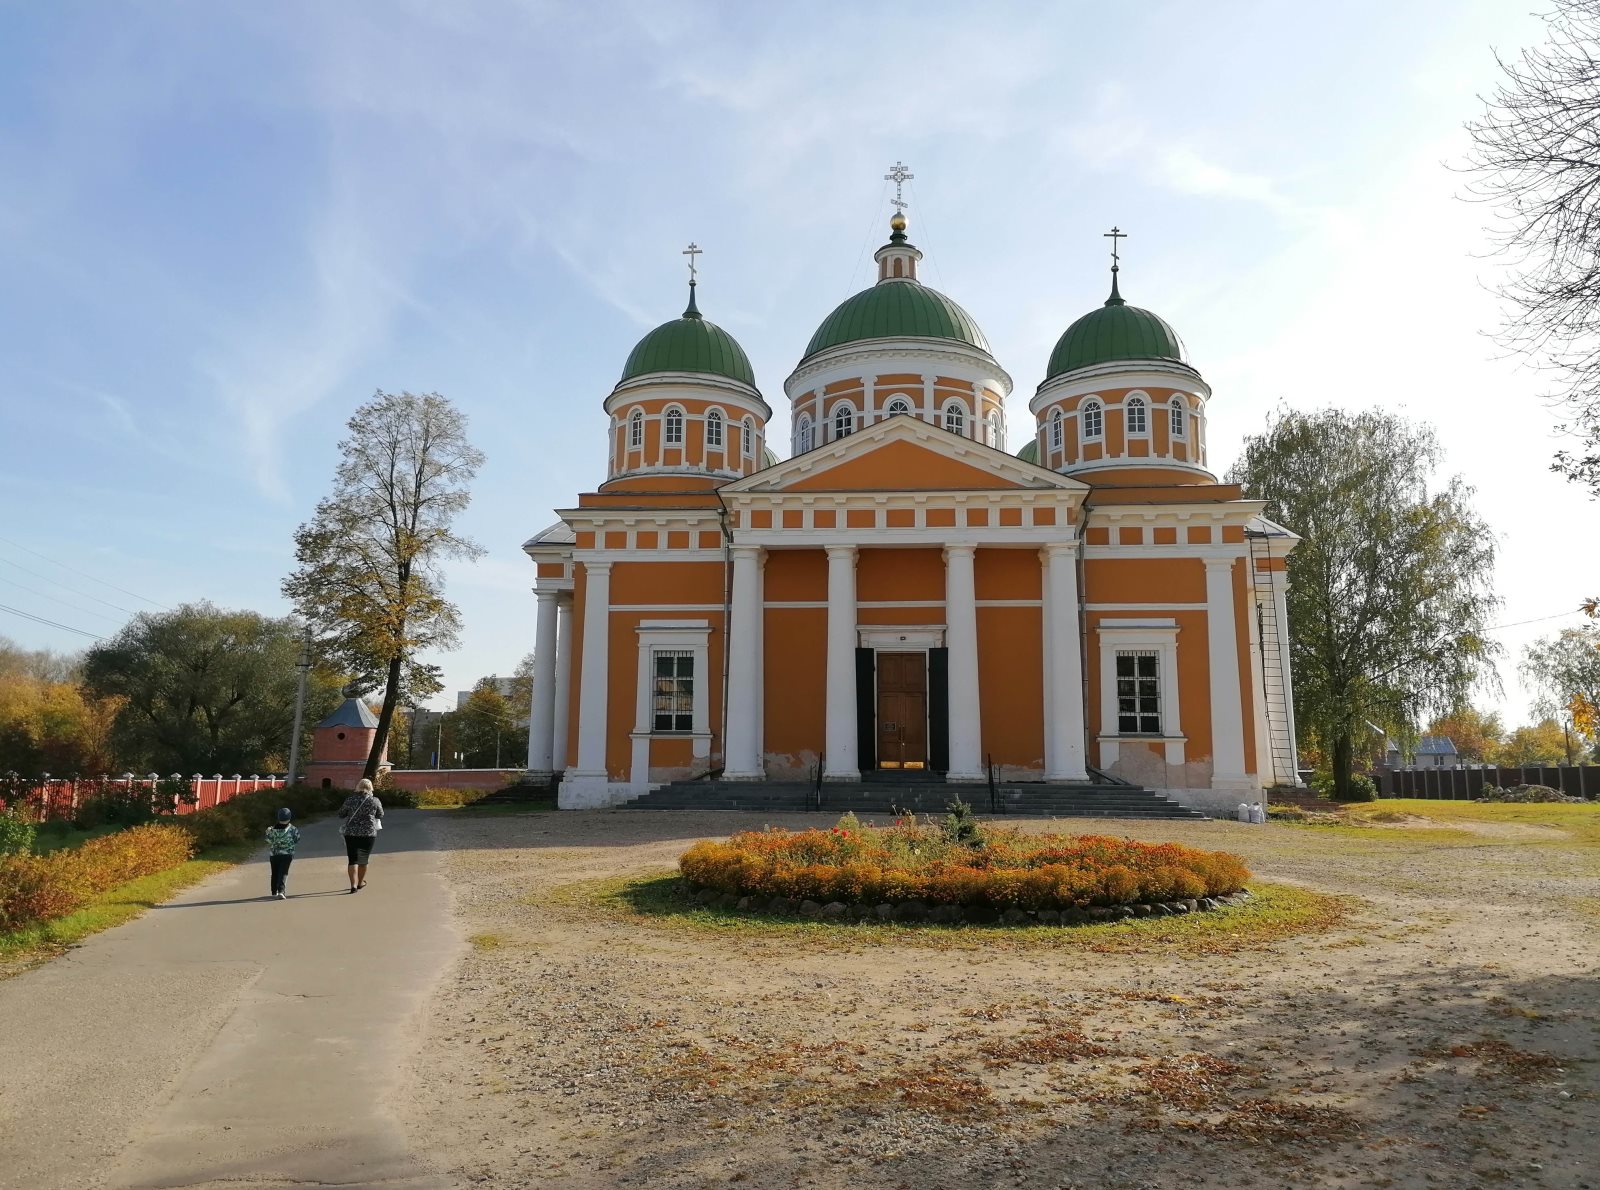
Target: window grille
point(636, 429)
point(714, 429)
point(1134, 415)
point(674, 434)
point(674, 690)
point(1138, 693)
point(844, 420)
point(955, 419)
point(1094, 420)
point(1176, 423)
point(897, 407)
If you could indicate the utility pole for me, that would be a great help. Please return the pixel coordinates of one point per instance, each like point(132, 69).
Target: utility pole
point(304, 666)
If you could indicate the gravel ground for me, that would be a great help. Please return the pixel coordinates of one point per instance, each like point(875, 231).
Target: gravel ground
point(1440, 1034)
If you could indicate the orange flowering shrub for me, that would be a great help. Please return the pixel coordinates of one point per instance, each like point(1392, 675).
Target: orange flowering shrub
point(1006, 870)
point(36, 887)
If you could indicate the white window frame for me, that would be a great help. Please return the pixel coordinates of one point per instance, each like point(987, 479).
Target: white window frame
point(992, 430)
point(1125, 636)
point(1095, 408)
point(670, 416)
point(1057, 432)
point(694, 637)
point(846, 412)
point(955, 418)
point(636, 430)
point(747, 434)
point(715, 421)
point(1177, 418)
point(802, 434)
point(1142, 403)
point(897, 407)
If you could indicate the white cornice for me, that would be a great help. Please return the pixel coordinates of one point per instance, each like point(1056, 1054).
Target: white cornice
point(697, 386)
point(1120, 374)
point(847, 359)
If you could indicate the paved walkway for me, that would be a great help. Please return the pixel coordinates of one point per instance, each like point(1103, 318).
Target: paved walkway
point(227, 1038)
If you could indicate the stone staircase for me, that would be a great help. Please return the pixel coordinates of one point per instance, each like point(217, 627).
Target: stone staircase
point(922, 793)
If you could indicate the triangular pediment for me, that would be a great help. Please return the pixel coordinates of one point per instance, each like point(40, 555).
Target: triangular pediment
point(903, 454)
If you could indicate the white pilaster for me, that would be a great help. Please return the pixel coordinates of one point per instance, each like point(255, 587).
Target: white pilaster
point(742, 755)
point(1064, 758)
point(841, 758)
point(594, 678)
point(542, 710)
point(558, 744)
point(961, 637)
point(1227, 704)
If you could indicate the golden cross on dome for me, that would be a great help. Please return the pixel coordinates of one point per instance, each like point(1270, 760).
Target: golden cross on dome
point(1115, 234)
point(691, 252)
point(899, 175)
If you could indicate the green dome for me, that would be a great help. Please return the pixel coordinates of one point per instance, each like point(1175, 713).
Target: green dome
point(1030, 451)
point(897, 310)
point(1113, 332)
point(690, 344)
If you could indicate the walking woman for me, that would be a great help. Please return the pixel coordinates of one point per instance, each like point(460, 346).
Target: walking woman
point(363, 819)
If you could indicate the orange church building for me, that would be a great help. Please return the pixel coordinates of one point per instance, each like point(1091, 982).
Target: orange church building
point(901, 592)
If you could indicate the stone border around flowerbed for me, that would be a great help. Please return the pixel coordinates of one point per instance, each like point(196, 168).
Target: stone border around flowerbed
point(980, 915)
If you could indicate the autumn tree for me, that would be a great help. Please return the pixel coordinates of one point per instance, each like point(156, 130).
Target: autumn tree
point(1564, 672)
point(1537, 157)
point(1543, 743)
point(204, 689)
point(1476, 734)
point(369, 575)
point(48, 721)
point(1390, 589)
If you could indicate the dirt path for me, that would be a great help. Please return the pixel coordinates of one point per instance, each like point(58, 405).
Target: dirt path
point(1443, 1035)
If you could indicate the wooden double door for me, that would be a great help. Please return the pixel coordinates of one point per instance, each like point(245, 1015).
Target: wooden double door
point(902, 710)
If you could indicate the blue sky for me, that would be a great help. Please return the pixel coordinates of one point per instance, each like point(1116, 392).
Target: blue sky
point(223, 226)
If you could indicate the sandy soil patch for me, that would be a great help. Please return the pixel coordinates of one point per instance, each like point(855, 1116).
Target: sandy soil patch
point(1442, 1035)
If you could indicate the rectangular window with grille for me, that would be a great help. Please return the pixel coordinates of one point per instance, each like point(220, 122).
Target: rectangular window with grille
point(674, 690)
point(1138, 693)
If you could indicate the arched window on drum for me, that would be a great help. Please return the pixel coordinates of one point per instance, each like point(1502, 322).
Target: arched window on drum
point(955, 418)
point(1094, 420)
point(844, 419)
point(1177, 423)
point(1057, 437)
point(1136, 415)
point(802, 434)
point(636, 429)
point(673, 434)
point(714, 429)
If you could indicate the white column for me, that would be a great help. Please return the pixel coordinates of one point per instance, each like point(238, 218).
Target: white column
point(563, 695)
point(742, 750)
point(1280, 609)
point(1064, 758)
point(594, 678)
point(542, 710)
point(1227, 704)
point(961, 629)
point(843, 763)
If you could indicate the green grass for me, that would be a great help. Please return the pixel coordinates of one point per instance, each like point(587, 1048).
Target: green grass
point(1276, 912)
point(31, 944)
point(1581, 822)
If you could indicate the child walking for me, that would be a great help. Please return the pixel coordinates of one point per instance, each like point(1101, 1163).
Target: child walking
point(281, 842)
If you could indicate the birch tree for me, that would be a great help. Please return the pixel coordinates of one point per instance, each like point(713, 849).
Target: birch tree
point(369, 578)
point(1391, 590)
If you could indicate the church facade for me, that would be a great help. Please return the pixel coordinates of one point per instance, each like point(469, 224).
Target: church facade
point(900, 592)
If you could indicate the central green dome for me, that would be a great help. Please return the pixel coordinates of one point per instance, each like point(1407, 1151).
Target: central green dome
point(898, 309)
point(1116, 331)
point(690, 344)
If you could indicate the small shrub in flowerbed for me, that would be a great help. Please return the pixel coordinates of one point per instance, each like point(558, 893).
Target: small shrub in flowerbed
point(959, 864)
point(1523, 794)
point(35, 887)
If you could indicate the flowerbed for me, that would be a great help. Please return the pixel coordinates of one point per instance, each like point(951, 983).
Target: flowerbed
point(956, 865)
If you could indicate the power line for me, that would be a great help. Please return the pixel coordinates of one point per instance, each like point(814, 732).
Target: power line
point(51, 623)
point(1536, 620)
point(87, 575)
point(58, 583)
point(57, 599)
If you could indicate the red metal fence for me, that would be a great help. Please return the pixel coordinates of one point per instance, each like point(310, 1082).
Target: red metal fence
point(60, 798)
point(1464, 784)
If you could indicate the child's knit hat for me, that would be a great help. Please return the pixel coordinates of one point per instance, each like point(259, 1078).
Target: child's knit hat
point(285, 814)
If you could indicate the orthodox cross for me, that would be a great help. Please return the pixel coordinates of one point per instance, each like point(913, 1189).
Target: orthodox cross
point(691, 252)
point(1115, 234)
point(899, 175)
